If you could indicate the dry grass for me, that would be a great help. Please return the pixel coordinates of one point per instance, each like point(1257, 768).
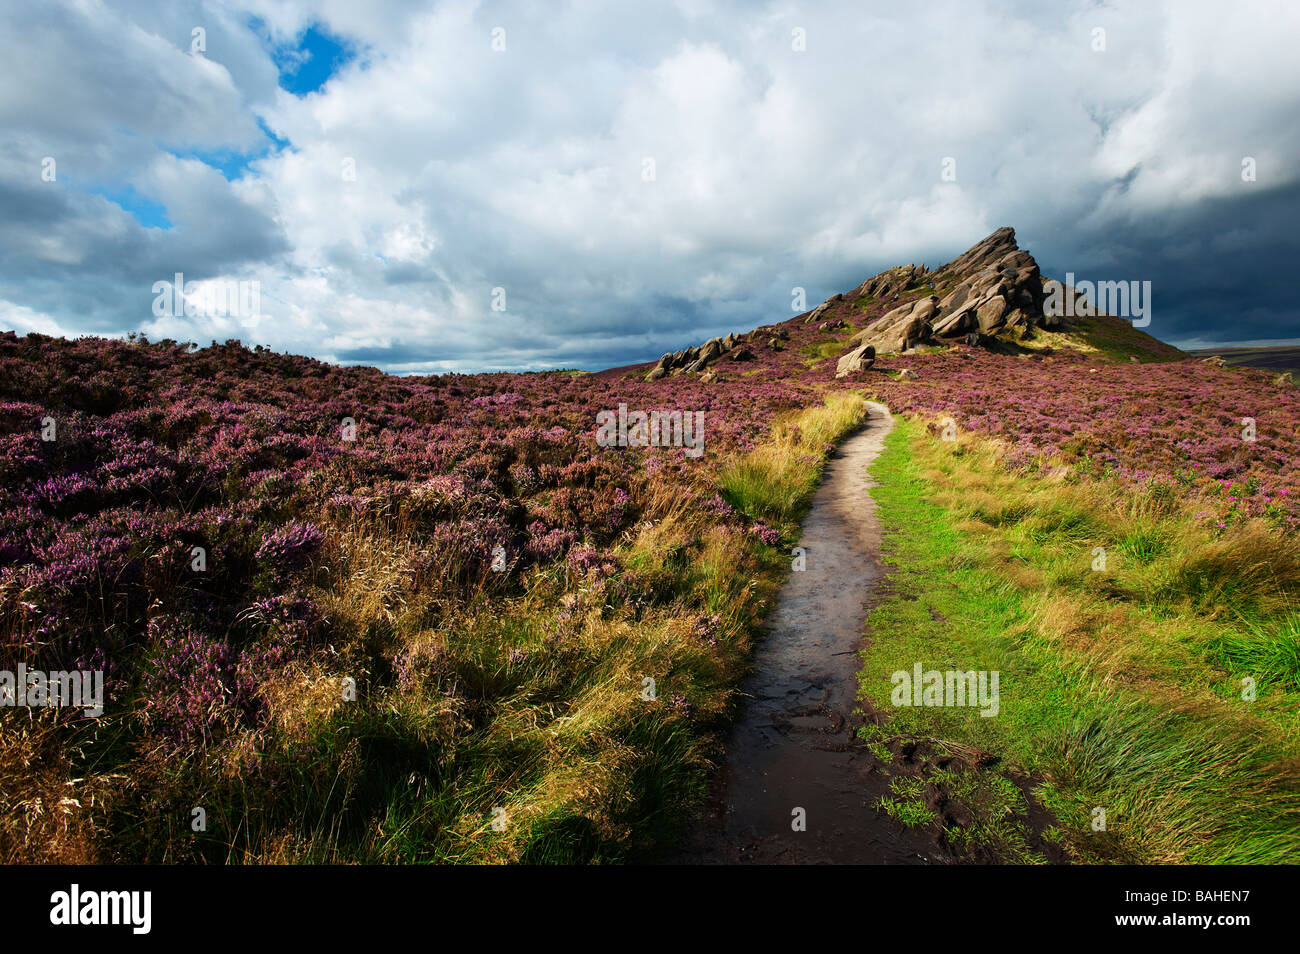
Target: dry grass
point(47, 811)
point(513, 724)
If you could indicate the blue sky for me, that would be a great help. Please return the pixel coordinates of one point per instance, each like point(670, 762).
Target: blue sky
point(150, 214)
point(304, 62)
point(630, 179)
point(307, 63)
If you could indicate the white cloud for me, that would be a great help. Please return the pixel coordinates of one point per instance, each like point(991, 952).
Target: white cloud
point(524, 168)
point(23, 320)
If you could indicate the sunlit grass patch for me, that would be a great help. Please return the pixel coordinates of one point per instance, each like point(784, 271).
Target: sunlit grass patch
point(1126, 633)
point(774, 480)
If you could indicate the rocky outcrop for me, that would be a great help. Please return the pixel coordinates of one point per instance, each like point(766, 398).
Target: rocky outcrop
point(890, 284)
point(698, 359)
point(989, 297)
point(900, 329)
point(821, 309)
point(992, 288)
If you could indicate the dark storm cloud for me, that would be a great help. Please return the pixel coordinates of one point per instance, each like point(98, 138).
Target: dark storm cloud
point(635, 179)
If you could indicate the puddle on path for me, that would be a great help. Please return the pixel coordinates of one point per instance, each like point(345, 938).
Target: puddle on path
point(792, 746)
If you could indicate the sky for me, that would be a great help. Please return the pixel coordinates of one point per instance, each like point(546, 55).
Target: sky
point(465, 186)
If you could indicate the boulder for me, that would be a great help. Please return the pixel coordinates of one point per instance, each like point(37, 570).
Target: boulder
point(958, 323)
point(694, 359)
point(990, 314)
point(984, 254)
point(902, 328)
point(661, 369)
point(859, 359)
point(925, 308)
point(888, 284)
point(957, 297)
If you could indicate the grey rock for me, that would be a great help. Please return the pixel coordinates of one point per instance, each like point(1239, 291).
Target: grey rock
point(859, 359)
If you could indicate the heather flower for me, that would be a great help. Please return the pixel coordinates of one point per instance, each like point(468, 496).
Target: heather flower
point(717, 505)
point(587, 561)
point(706, 629)
point(290, 547)
point(188, 688)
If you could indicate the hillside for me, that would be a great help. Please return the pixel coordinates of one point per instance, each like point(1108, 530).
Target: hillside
point(1282, 358)
point(991, 297)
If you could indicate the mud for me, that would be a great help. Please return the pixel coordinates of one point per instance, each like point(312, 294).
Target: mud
point(793, 746)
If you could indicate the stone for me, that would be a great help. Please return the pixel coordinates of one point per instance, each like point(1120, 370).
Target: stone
point(958, 323)
point(990, 314)
point(859, 359)
point(925, 308)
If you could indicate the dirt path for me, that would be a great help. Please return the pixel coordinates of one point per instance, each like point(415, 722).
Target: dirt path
point(793, 744)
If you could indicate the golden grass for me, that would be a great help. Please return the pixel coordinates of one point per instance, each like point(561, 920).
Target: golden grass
point(47, 815)
point(552, 730)
point(1164, 635)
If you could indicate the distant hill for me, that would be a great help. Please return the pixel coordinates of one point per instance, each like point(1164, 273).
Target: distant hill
point(992, 296)
point(1280, 358)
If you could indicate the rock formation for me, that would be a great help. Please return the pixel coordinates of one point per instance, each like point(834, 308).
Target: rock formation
point(701, 358)
point(991, 294)
point(993, 287)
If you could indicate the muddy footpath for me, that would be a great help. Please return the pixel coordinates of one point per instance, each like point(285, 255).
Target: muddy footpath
point(793, 749)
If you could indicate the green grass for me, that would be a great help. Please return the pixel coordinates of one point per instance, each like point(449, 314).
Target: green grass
point(1118, 690)
point(816, 353)
point(1119, 340)
point(775, 481)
